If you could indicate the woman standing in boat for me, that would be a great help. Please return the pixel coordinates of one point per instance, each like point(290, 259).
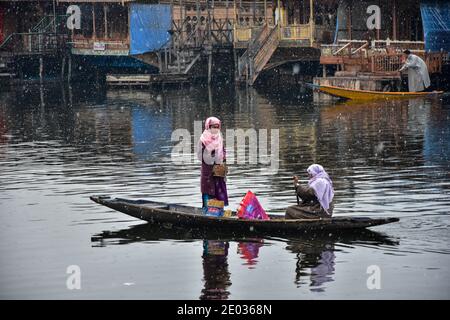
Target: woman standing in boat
point(211, 152)
point(317, 197)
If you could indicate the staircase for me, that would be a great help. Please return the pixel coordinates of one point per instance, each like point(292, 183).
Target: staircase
point(41, 39)
point(259, 51)
point(7, 67)
point(51, 23)
point(175, 64)
point(178, 62)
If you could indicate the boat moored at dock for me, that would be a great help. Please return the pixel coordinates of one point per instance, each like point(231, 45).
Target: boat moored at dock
point(354, 94)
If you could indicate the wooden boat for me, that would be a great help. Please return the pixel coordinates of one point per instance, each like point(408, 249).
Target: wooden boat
point(185, 216)
point(372, 95)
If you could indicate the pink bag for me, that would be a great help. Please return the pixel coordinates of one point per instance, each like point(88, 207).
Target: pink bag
point(250, 208)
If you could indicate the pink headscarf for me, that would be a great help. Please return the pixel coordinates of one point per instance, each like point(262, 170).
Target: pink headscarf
point(321, 184)
point(212, 141)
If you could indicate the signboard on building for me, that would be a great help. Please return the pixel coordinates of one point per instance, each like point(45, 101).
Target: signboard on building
point(99, 46)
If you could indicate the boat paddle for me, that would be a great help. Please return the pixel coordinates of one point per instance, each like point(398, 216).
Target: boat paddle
point(296, 194)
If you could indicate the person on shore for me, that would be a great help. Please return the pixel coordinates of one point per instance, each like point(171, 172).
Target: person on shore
point(418, 77)
point(211, 152)
point(317, 197)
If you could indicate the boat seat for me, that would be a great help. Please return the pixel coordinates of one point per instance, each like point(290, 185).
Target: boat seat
point(185, 209)
point(157, 206)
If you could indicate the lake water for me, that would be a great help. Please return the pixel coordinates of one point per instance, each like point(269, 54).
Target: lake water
point(58, 147)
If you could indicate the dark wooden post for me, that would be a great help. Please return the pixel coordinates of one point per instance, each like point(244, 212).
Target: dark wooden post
point(311, 21)
point(105, 13)
point(236, 63)
point(394, 20)
point(94, 33)
point(265, 11)
point(210, 99)
point(97, 81)
point(166, 59)
point(41, 91)
point(69, 69)
point(41, 69)
point(197, 26)
point(63, 66)
point(251, 70)
point(212, 18)
point(235, 19)
point(349, 20)
point(160, 67)
point(209, 63)
point(128, 23)
point(181, 22)
point(253, 12)
point(54, 16)
point(208, 25)
point(378, 30)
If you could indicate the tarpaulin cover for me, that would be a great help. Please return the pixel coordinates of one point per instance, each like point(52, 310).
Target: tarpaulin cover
point(149, 27)
point(436, 24)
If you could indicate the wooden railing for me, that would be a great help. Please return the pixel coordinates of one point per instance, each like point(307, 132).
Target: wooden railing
point(187, 33)
point(296, 32)
point(391, 63)
point(34, 43)
point(293, 32)
point(344, 48)
point(396, 45)
point(385, 63)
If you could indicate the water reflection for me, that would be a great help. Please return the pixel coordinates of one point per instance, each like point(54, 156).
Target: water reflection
point(319, 259)
point(315, 257)
point(249, 251)
point(216, 276)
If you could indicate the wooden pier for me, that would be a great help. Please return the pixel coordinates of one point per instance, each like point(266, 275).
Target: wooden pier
point(142, 80)
point(122, 80)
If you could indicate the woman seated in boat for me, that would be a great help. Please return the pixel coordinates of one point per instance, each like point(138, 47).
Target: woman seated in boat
point(317, 196)
point(211, 152)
